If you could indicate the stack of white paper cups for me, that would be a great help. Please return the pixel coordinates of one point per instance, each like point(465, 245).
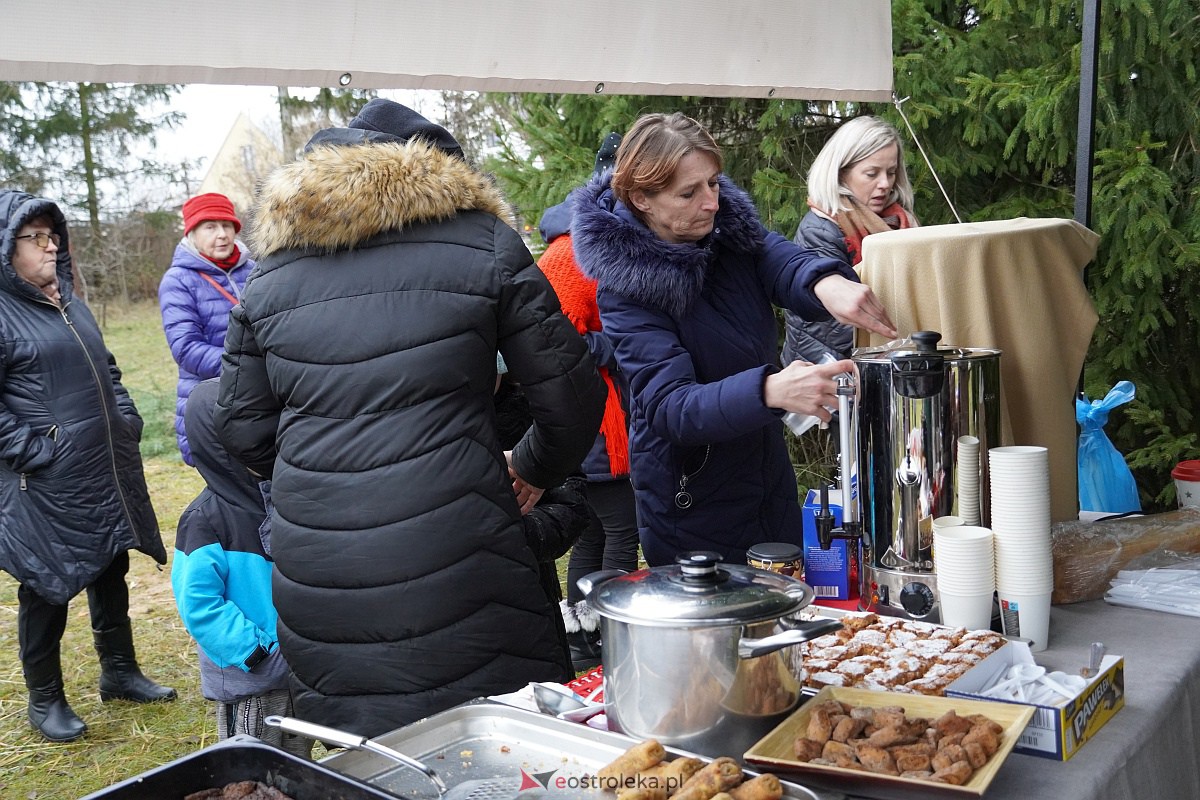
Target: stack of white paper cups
point(1020, 499)
point(967, 472)
point(963, 558)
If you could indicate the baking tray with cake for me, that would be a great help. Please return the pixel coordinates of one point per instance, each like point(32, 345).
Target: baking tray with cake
point(873, 651)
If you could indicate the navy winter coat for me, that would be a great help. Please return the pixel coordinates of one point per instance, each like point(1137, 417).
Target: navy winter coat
point(359, 375)
point(195, 315)
point(696, 336)
point(72, 491)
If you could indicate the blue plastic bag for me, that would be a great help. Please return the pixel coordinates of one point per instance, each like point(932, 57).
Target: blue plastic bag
point(1105, 482)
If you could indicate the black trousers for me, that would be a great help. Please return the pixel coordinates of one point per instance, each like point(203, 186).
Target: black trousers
point(611, 540)
point(40, 625)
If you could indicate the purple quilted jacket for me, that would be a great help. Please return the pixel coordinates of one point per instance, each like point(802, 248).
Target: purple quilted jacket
point(195, 315)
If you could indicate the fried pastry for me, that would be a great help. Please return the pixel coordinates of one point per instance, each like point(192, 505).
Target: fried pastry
point(626, 766)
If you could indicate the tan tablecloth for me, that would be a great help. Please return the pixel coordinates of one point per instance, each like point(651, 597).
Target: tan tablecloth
point(1015, 285)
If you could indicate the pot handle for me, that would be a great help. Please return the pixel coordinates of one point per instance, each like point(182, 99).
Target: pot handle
point(753, 648)
point(590, 581)
point(353, 741)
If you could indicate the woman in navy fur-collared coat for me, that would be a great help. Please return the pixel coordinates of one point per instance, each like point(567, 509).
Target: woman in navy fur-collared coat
point(687, 278)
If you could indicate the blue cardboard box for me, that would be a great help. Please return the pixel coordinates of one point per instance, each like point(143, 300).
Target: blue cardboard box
point(826, 571)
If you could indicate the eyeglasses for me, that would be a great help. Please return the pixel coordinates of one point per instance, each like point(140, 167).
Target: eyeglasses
point(42, 239)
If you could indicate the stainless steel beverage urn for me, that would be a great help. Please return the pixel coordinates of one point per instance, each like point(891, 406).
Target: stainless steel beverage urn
point(899, 437)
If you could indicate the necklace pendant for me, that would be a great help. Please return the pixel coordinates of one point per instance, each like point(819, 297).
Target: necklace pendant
point(683, 500)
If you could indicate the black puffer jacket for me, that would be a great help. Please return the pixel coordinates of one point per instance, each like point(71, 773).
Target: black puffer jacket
point(358, 374)
point(72, 492)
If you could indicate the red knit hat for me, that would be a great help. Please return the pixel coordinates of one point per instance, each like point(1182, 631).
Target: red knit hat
point(208, 206)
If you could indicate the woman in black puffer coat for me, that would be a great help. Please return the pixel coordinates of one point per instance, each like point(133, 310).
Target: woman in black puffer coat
point(358, 375)
point(72, 491)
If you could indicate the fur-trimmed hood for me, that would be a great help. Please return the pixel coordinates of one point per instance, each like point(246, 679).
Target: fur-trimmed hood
point(615, 249)
point(338, 195)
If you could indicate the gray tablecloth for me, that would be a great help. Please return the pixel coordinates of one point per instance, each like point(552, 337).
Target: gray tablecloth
point(1151, 749)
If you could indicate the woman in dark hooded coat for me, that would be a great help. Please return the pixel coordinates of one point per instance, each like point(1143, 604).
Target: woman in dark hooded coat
point(359, 371)
point(72, 491)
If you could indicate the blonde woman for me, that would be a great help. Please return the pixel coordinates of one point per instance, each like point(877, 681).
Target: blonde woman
point(856, 186)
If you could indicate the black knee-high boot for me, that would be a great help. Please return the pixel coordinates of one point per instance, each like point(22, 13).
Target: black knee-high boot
point(120, 676)
point(49, 713)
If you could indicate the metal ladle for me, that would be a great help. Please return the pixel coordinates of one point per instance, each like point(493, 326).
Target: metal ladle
point(561, 702)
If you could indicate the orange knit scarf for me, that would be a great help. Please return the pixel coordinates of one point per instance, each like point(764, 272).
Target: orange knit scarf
point(577, 295)
point(859, 222)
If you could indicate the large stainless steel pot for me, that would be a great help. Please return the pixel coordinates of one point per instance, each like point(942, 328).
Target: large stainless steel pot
point(695, 653)
point(916, 398)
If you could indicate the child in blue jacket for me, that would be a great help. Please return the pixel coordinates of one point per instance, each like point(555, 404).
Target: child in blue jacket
point(222, 582)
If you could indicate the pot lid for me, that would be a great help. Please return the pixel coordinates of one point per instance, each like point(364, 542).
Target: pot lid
point(776, 552)
point(699, 591)
point(921, 342)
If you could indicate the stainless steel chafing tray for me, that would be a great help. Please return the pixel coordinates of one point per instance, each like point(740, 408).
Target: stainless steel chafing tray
point(518, 749)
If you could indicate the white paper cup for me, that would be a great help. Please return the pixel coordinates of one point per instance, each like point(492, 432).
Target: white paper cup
point(963, 587)
point(1025, 578)
point(947, 522)
point(1022, 583)
point(1027, 571)
point(968, 479)
point(967, 540)
point(1012, 547)
point(1021, 531)
point(1026, 615)
point(1011, 575)
point(1023, 570)
point(970, 611)
point(968, 505)
point(1018, 452)
point(963, 549)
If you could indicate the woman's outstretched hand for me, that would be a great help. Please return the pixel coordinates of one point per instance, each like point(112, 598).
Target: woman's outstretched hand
point(854, 304)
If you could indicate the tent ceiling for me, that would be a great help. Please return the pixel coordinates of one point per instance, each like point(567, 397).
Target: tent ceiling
point(812, 49)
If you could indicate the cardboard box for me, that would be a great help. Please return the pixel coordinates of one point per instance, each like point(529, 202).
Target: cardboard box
point(1055, 732)
point(826, 571)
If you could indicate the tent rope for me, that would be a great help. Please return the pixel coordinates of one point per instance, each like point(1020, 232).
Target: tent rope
point(898, 103)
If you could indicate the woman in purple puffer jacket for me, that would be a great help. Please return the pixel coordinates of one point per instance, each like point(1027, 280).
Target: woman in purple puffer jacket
point(204, 281)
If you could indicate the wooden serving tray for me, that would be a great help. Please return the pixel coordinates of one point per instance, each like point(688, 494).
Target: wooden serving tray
point(774, 751)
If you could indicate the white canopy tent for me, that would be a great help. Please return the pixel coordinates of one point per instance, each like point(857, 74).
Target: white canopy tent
point(812, 49)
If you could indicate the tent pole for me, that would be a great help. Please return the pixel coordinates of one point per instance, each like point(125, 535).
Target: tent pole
point(1085, 144)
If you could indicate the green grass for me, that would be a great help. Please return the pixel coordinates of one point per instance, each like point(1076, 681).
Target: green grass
point(123, 739)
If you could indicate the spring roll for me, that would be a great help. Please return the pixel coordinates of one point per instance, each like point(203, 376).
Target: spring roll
point(624, 769)
point(670, 775)
point(763, 787)
point(642, 793)
point(719, 776)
